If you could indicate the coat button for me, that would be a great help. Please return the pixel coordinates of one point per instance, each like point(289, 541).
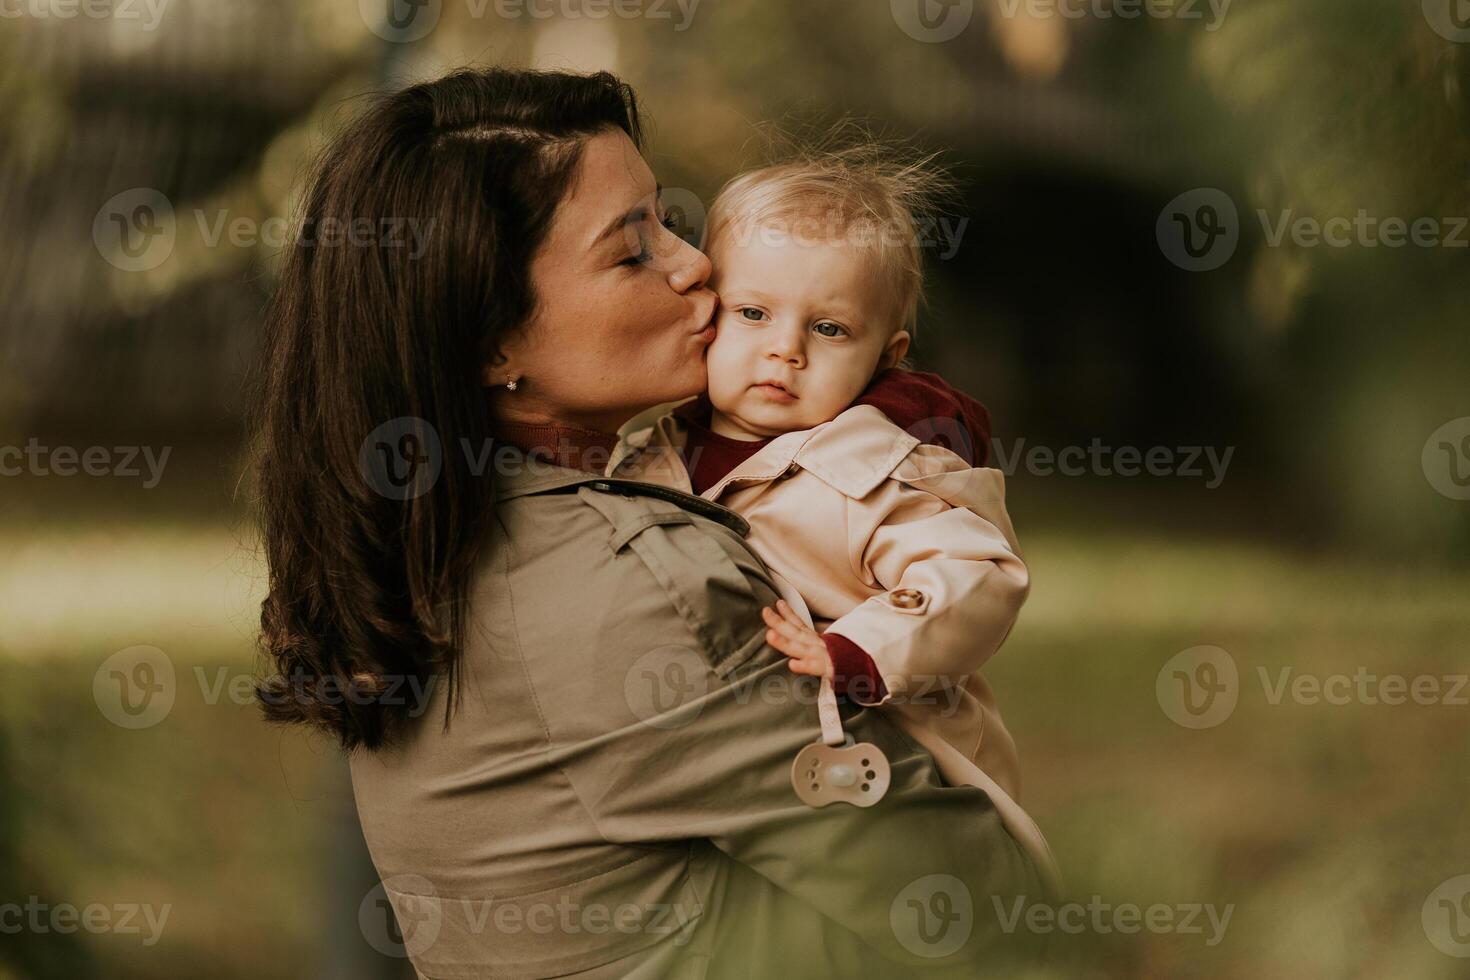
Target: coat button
point(906, 598)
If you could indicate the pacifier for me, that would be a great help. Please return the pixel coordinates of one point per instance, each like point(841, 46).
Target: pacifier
point(854, 772)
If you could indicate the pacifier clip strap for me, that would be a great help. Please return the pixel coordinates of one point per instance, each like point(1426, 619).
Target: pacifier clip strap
point(832, 733)
point(827, 714)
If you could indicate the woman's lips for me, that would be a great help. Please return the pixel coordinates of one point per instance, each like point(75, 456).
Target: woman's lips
point(708, 332)
point(775, 393)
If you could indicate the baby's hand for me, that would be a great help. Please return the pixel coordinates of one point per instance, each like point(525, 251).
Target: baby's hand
point(805, 647)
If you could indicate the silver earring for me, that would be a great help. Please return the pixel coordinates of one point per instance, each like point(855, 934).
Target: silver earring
point(512, 383)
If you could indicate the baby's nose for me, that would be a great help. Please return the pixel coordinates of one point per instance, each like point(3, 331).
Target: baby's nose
point(787, 346)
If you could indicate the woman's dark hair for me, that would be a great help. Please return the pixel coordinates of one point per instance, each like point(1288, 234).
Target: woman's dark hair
point(419, 224)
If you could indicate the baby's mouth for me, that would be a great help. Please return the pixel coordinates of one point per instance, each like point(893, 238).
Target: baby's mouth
point(775, 390)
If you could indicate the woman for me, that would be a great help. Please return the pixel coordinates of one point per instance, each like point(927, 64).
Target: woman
point(572, 748)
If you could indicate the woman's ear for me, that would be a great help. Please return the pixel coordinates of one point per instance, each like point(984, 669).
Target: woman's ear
point(898, 346)
point(496, 370)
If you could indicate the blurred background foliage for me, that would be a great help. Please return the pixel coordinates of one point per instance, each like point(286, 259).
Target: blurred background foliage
point(1326, 369)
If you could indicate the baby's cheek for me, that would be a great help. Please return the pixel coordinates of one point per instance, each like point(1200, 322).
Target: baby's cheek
point(737, 341)
point(725, 366)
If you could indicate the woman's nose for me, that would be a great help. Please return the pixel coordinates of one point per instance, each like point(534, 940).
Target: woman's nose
point(690, 268)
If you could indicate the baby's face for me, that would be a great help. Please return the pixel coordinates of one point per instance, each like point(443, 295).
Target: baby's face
point(802, 329)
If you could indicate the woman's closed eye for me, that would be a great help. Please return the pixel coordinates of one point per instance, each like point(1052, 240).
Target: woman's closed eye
point(641, 256)
point(645, 251)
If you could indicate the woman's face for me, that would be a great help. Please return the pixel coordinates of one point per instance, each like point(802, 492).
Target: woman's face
point(622, 317)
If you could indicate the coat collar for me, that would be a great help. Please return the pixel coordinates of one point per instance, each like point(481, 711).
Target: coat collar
point(517, 474)
point(853, 454)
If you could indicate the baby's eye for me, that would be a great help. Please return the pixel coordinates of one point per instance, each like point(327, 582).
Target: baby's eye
point(828, 329)
point(751, 313)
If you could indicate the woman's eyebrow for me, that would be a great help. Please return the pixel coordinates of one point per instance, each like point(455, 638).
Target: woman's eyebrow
point(638, 213)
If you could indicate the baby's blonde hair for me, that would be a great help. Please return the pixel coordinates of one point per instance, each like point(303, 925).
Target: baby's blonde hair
point(859, 189)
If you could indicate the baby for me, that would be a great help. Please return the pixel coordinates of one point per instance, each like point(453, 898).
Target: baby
point(902, 550)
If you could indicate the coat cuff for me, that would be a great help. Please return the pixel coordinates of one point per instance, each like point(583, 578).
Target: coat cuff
point(856, 676)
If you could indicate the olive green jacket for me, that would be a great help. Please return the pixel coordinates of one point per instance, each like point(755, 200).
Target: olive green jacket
point(612, 795)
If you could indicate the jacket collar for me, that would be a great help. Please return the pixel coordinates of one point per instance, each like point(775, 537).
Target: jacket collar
point(852, 453)
point(517, 474)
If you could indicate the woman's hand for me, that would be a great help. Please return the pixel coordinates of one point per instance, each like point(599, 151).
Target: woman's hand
point(805, 647)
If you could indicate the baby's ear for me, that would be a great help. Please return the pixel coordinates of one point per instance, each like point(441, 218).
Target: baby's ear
point(898, 346)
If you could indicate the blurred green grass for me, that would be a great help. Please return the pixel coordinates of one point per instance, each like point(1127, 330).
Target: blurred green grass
point(1325, 826)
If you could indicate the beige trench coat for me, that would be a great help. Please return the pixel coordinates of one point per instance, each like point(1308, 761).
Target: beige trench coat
point(613, 797)
point(903, 548)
